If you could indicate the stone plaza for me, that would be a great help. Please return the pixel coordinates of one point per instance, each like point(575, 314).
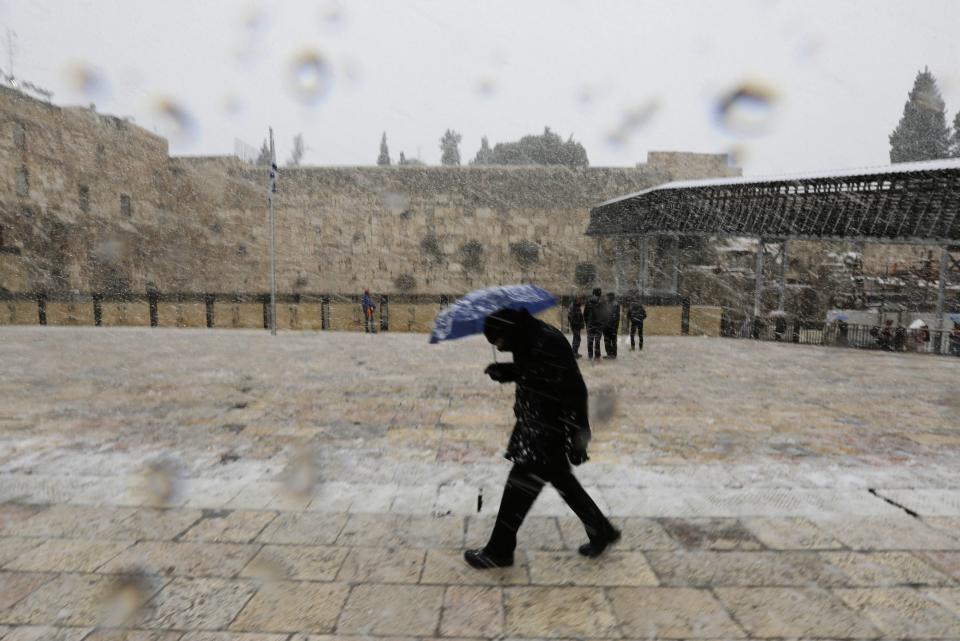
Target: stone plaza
point(202, 485)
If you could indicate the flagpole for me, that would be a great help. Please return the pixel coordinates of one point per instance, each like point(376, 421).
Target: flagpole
point(273, 238)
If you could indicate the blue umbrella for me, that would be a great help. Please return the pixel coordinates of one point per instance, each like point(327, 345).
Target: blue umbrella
point(955, 318)
point(466, 316)
point(833, 317)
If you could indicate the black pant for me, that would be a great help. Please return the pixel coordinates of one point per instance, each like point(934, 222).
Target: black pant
point(636, 326)
point(593, 343)
point(610, 342)
point(576, 340)
point(368, 325)
point(522, 488)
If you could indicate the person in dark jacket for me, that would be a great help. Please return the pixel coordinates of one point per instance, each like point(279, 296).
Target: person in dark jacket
point(575, 317)
point(637, 313)
point(551, 433)
point(595, 316)
point(367, 306)
point(612, 327)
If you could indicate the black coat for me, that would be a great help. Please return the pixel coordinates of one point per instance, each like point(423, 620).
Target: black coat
point(575, 316)
point(551, 399)
point(637, 312)
point(613, 317)
point(595, 313)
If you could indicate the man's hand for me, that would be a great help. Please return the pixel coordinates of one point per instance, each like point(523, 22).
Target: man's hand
point(578, 456)
point(500, 372)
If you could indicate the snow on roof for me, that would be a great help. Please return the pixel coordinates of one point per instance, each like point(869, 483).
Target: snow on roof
point(903, 167)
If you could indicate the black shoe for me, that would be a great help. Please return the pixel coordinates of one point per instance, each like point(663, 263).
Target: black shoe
point(480, 560)
point(593, 549)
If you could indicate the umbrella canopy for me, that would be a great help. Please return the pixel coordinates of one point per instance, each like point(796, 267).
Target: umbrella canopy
point(955, 318)
point(466, 316)
point(833, 317)
point(917, 324)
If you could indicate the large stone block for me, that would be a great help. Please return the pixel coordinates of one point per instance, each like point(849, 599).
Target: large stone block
point(298, 316)
point(130, 314)
point(238, 315)
point(705, 321)
point(413, 317)
point(19, 312)
point(70, 313)
point(663, 321)
point(181, 315)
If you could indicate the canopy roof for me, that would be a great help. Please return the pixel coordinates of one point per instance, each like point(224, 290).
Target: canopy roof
point(906, 203)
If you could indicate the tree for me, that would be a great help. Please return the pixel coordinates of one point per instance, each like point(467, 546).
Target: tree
point(922, 133)
point(955, 147)
point(410, 162)
point(263, 158)
point(384, 157)
point(450, 146)
point(546, 149)
point(484, 154)
point(297, 154)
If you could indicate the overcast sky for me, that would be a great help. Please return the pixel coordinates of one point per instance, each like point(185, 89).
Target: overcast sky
point(623, 78)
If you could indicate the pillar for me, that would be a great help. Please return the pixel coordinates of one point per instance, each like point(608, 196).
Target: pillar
point(782, 293)
point(759, 283)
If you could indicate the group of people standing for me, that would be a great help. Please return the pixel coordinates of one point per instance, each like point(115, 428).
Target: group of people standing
point(602, 320)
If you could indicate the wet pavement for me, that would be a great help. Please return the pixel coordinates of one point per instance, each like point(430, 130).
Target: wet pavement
point(207, 485)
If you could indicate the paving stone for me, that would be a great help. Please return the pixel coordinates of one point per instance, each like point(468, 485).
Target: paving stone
point(14, 586)
point(156, 524)
point(536, 533)
point(237, 526)
point(637, 534)
point(69, 521)
point(305, 529)
point(879, 533)
point(68, 555)
point(947, 597)
point(392, 609)
point(472, 612)
point(793, 612)
point(946, 562)
point(449, 568)
point(132, 635)
point(76, 599)
point(232, 636)
point(197, 604)
point(791, 534)
point(558, 612)
point(571, 568)
point(903, 612)
point(299, 562)
point(880, 569)
point(284, 606)
point(711, 534)
point(701, 568)
point(46, 633)
point(184, 559)
point(382, 565)
point(671, 613)
point(11, 548)
point(402, 530)
point(13, 513)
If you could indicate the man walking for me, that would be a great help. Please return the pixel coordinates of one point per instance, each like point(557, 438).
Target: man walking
point(551, 433)
point(367, 306)
point(575, 318)
point(595, 316)
point(612, 327)
point(637, 314)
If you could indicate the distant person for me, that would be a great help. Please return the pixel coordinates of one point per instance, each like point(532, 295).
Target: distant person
point(367, 306)
point(575, 317)
point(595, 317)
point(612, 326)
point(552, 431)
point(955, 340)
point(843, 332)
point(637, 314)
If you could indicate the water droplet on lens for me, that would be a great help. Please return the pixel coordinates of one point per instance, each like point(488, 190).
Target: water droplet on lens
point(395, 203)
point(87, 80)
point(603, 405)
point(310, 77)
point(332, 16)
point(302, 473)
point(161, 481)
point(746, 110)
point(486, 88)
point(634, 119)
point(175, 121)
point(125, 597)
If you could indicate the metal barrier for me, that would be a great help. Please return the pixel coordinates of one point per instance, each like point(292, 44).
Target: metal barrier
point(839, 334)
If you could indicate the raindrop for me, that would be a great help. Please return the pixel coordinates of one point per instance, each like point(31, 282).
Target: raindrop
point(125, 598)
point(310, 77)
point(232, 106)
point(266, 568)
point(161, 481)
point(110, 250)
point(395, 203)
point(87, 80)
point(738, 155)
point(175, 121)
point(332, 16)
point(746, 110)
point(486, 88)
point(634, 119)
point(603, 405)
point(302, 473)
